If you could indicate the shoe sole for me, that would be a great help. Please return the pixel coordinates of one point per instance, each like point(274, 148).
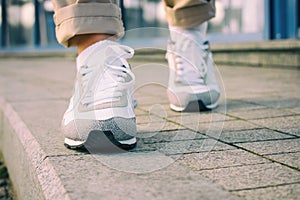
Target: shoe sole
point(101, 141)
point(194, 106)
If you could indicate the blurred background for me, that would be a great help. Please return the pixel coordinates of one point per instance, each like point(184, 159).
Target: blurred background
point(29, 23)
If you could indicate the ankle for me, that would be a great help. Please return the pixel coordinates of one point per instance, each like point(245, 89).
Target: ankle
point(196, 33)
point(84, 41)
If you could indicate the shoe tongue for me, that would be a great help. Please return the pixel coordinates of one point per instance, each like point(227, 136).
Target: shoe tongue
point(115, 61)
point(91, 55)
point(117, 55)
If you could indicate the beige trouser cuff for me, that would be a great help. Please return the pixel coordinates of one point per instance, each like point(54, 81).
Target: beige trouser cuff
point(87, 18)
point(188, 13)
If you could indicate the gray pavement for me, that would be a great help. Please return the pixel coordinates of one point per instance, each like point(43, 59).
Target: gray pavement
point(247, 148)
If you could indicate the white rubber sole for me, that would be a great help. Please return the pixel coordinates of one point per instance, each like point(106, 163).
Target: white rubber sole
point(74, 143)
point(77, 144)
point(181, 109)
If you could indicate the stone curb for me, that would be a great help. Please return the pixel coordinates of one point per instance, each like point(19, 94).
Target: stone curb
point(23, 155)
point(276, 54)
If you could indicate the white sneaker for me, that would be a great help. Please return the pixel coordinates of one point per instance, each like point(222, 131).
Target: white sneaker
point(102, 103)
point(192, 81)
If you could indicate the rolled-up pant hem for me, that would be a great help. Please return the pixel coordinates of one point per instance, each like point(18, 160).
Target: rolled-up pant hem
point(88, 25)
point(190, 16)
point(87, 18)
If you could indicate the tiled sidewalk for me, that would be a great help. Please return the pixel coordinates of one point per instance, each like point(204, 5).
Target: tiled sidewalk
point(247, 148)
point(256, 155)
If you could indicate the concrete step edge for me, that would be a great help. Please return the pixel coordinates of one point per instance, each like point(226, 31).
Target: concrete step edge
point(47, 183)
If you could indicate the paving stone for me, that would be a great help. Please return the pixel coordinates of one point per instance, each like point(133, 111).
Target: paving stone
point(169, 136)
point(280, 123)
point(158, 126)
point(139, 112)
point(252, 136)
point(273, 147)
point(196, 118)
point(279, 102)
point(220, 159)
point(260, 83)
point(238, 105)
point(162, 110)
point(148, 119)
point(291, 159)
point(292, 131)
point(260, 113)
point(183, 147)
point(278, 192)
point(293, 110)
point(252, 176)
point(109, 177)
point(226, 126)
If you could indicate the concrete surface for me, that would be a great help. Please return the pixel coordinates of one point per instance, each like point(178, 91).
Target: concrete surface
point(247, 148)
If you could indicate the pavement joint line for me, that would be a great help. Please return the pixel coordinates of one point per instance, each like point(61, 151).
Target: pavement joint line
point(182, 140)
point(264, 187)
point(266, 140)
point(232, 166)
point(261, 155)
point(296, 136)
point(280, 153)
point(292, 111)
point(238, 147)
point(282, 132)
point(242, 129)
point(167, 119)
point(221, 120)
point(163, 131)
point(66, 155)
point(256, 128)
point(24, 135)
point(270, 159)
point(272, 117)
point(264, 127)
point(196, 152)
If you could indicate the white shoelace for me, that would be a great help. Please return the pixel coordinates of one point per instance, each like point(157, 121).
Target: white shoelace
point(191, 67)
point(107, 85)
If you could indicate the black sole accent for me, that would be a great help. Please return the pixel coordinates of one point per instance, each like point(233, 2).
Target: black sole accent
point(196, 106)
point(102, 142)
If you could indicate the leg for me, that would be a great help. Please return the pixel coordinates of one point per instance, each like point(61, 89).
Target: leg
point(101, 108)
point(192, 81)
